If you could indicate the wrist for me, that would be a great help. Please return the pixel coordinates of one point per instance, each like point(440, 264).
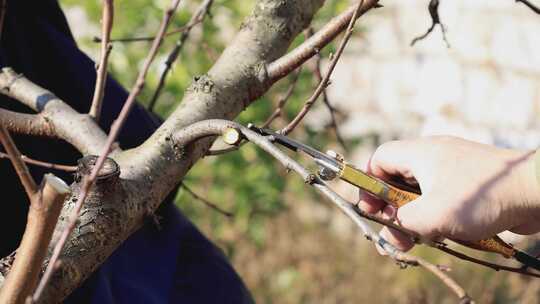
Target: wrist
point(528, 181)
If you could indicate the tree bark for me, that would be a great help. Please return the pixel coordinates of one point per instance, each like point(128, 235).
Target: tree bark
point(116, 206)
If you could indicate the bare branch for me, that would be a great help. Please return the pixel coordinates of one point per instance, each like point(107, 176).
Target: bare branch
point(284, 98)
point(324, 82)
point(433, 9)
point(28, 124)
point(42, 164)
point(331, 109)
point(42, 217)
point(147, 39)
point(115, 130)
point(197, 18)
point(530, 5)
point(106, 27)
point(3, 8)
point(20, 167)
point(206, 202)
point(79, 130)
point(288, 63)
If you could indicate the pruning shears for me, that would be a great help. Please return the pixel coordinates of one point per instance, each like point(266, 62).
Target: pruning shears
point(333, 166)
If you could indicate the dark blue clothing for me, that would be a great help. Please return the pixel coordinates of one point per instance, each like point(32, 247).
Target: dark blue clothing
point(176, 264)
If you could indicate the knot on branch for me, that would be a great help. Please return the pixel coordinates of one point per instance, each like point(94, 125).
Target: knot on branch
point(109, 172)
point(106, 184)
point(203, 84)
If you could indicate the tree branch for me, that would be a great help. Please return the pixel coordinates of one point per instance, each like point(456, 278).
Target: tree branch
point(530, 5)
point(106, 47)
point(28, 124)
point(288, 63)
point(149, 172)
point(115, 130)
point(206, 202)
point(42, 164)
point(433, 9)
point(324, 82)
point(79, 130)
point(20, 167)
point(42, 217)
point(197, 18)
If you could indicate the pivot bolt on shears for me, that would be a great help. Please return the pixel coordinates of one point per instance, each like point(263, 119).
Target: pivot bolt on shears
point(333, 166)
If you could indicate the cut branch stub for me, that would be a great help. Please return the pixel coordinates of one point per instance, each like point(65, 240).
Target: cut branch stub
point(109, 172)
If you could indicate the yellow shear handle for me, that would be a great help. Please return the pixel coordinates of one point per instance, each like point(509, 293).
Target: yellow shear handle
point(398, 197)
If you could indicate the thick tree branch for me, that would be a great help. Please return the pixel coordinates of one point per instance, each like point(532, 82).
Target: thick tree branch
point(77, 129)
point(115, 130)
point(42, 217)
point(288, 63)
point(29, 124)
point(106, 27)
point(20, 167)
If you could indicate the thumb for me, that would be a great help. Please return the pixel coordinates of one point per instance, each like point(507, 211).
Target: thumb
point(394, 158)
point(420, 216)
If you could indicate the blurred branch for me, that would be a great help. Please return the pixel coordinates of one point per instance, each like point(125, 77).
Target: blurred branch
point(530, 5)
point(43, 164)
point(115, 130)
point(106, 47)
point(197, 18)
point(42, 217)
point(206, 202)
point(20, 167)
point(217, 127)
point(331, 109)
point(433, 8)
point(298, 56)
point(284, 98)
point(3, 8)
point(324, 82)
point(147, 39)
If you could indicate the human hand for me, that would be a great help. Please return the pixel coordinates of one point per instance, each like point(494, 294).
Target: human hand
point(470, 191)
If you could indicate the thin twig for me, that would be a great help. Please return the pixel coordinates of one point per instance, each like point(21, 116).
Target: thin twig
point(147, 39)
point(106, 27)
point(324, 82)
point(42, 217)
point(284, 98)
point(309, 48)
point(206, 202)
point(20, 167)
point(3, 8)
point(530, 5)
point(487, 264)
point(326, 101)
point(115, 130)
point(197, 18)
point(433, 8)
point(43, 164)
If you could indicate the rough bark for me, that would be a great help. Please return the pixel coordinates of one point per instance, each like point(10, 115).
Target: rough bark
point(118, 206)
